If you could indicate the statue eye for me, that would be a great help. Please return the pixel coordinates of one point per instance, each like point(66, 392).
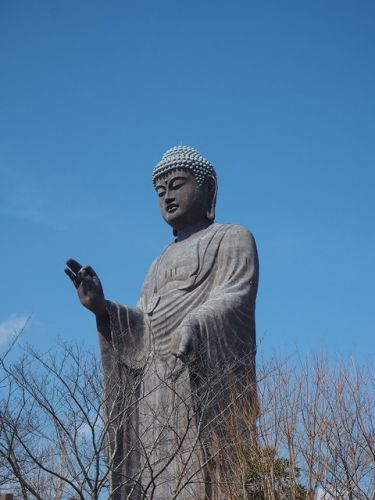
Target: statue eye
point(161, 194)
point(177, 182)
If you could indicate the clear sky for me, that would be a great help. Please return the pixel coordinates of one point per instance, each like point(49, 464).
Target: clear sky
point(279, 95)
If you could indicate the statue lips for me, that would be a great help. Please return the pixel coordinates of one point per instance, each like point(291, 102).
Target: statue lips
point(172, 207)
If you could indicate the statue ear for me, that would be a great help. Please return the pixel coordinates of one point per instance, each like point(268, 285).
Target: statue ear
point(212, 193)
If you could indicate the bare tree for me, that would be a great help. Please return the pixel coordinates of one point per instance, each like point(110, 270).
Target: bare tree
point(51, 424)
point(60, 427)
point(315, 431)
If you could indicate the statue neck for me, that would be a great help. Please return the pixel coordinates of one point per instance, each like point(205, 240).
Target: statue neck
point(186, 232)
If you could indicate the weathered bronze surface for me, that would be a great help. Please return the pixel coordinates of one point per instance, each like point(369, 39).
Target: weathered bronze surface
point(176, 361)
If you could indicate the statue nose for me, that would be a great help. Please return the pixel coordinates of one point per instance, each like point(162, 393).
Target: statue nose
point(169, 197)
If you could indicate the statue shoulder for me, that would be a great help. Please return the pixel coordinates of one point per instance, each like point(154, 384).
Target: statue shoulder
point(236, 232)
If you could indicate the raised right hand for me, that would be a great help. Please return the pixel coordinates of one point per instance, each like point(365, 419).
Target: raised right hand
point(88, 286)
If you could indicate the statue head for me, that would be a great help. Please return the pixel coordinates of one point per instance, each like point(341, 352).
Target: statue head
point(186, 185)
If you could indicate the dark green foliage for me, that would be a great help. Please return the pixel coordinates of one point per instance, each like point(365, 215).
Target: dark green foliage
point(270, 476)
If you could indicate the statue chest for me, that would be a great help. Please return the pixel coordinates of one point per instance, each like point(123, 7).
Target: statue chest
point(176, 267)
point(181, 272)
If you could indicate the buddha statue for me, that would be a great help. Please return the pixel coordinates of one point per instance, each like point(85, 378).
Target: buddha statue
point(176, 361)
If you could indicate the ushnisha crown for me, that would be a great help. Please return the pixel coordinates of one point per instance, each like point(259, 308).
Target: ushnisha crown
point(184, 157)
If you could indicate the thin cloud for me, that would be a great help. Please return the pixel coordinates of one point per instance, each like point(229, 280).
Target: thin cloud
point(11, 328)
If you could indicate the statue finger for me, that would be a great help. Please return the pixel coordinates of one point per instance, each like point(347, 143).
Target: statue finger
point(82, 273)
point(75, 279)
point(185, 346)
point(179, 355)
point(90, 271)
point(183, 351)
point(74, 265)
point(179, 367)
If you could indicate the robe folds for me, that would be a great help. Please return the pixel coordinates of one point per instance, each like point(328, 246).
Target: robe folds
point(165, 415)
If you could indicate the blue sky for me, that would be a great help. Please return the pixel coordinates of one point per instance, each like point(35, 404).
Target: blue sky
point(278, 95)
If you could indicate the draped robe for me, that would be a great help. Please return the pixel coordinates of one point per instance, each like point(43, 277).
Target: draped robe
point(163, 428)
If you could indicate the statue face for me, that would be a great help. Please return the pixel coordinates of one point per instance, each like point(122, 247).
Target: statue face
point(182, 201)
